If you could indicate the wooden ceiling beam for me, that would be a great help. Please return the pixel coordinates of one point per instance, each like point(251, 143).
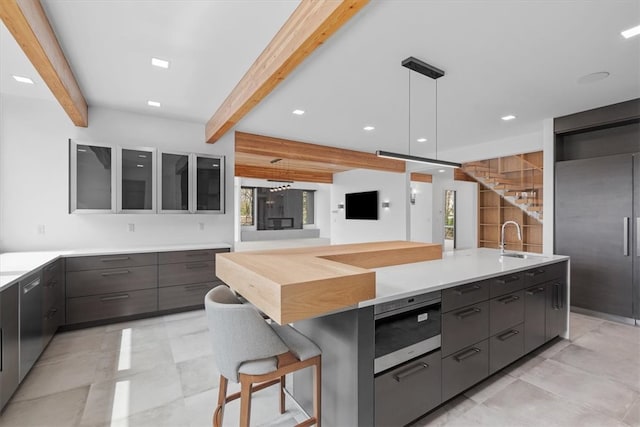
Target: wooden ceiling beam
point(421, 177)
point(310, 25)
point(247, 171)
point(286, 149)
point(28, 23)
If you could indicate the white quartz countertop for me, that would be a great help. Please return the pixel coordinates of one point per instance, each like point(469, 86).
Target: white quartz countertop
point(15, 265)
point(455, 268)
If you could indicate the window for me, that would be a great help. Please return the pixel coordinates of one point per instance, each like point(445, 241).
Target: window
point(246, 205)
point(307, 207)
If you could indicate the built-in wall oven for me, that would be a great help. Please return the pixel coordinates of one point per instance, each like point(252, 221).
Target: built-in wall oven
point(407, 360)
point(405, 329)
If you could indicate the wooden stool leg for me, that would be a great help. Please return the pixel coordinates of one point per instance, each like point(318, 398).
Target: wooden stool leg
point(245, 402)
point(222, 397)
point(317, 391)
point(282, 408)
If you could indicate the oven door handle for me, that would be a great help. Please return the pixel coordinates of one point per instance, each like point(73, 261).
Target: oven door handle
point(412, 370)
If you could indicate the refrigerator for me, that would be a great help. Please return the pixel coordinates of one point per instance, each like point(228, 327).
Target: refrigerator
point(597, 223)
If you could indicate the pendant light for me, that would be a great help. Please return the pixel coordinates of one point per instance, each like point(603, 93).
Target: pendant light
point(434, 73)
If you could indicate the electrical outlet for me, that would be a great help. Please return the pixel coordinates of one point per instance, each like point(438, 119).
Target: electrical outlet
point(132, 227)
point(201, 226)
point(40, 229)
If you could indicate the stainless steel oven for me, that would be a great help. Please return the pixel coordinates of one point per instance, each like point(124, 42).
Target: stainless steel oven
point(405, 329)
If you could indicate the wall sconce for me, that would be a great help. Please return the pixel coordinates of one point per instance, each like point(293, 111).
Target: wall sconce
point(386, 205)
point(340, 205)
point(412, 196)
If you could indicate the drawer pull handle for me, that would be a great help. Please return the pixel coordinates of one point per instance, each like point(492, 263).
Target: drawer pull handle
point(115, 297)
point(196, 266)
point(51, 267)
point(535, 291)
point(507, 335)
point(196, 287)
point(115, 258)
point(509, 299)
point(51, 284)
point(535, 273)
point(412, 370)
point(467, 290)
point(466, 354)
point(198, 254)
point(27, 288)
point(469, 312)
point(508, 280)
point(116, 273)
point(51, 314)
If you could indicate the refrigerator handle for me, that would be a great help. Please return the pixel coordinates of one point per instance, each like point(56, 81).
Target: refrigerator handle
point(625, 236)
point(638, 236)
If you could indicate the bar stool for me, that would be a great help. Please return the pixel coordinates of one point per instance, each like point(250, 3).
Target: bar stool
point(250, 351)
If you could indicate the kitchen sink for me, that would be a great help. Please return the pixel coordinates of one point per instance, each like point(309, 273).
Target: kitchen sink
point(521, 256)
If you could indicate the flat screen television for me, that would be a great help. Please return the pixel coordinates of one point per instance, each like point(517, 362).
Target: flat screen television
point(361, 205)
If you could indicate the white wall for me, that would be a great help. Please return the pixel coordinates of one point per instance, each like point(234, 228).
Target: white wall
point(421, 212)
point(548, 187)
point(392, 222)
point(34, 164)
point(466, 214)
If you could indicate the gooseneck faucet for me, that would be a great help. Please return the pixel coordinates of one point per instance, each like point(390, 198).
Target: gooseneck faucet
point(502, 234)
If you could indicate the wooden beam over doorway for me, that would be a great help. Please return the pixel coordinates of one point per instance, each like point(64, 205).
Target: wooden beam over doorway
point(28, 23)
point(310, 25)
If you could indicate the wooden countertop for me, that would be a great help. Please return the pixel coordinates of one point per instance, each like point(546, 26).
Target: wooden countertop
point(295, 284)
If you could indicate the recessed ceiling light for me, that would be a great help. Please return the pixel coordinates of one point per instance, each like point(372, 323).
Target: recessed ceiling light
point(508, 117)
point(631, 32)
point(421, 139)
point(593, 77)
point(153, 104)
point(160, 63)
point(23, 79)
point(140, 166)
point(298, 112)
point(142, 156)
point(441, 170)
point(368, 128)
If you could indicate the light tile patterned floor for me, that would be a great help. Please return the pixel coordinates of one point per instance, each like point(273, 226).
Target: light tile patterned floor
point(160, 372)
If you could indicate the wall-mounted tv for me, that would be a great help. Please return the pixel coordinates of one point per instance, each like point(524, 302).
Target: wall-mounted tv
point(361, 205)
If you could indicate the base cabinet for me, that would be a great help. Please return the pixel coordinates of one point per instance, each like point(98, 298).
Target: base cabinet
point(556, 310)
point(53, 307)
point(9, 341)
point(534, 317)
point(464, 368)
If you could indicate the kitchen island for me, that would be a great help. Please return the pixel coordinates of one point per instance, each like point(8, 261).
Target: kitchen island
point(494, 310)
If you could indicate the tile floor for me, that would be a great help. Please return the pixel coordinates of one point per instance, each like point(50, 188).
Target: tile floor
point(160, 372)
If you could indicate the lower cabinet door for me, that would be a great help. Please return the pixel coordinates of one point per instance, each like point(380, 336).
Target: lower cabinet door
point(464, 368)
point(184, 295)
point(98, 307)
point(556, 311)
point(506, 347)
point(408, 391)
point(534, 317)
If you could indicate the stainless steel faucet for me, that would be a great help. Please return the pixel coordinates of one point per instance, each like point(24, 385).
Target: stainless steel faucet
point(502, 234)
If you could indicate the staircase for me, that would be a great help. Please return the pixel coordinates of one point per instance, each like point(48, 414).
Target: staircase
point(517, 179)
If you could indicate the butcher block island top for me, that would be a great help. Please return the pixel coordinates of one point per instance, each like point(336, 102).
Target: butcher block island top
point(295, 284)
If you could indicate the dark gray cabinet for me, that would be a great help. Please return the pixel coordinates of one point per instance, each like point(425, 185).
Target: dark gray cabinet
point(506, 311)
point(414, 387)
point(9, 339)
point(53, 307)
point(464, 368)
point(534, 317)
point(461, 296)
point(31, 321)
point(556, 310)
point(506, 347)
point(464, 326)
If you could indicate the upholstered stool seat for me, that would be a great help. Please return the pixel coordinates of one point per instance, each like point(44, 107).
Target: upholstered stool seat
point(250, 351)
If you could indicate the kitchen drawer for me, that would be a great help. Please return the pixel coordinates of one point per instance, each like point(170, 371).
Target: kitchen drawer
point(86, 309)
point(110, 261)
point(468, 294)
point(545, 273)
point(95, 282)
point(506, 347)
point(506, 311)
point(189, 256)
point(464, 326)
point(184, 295)
point(408, 391)
point(464, 368)
point(53, 283)
point(52, 319)
point(53, 272)
point(186, 273)
point(506, 284)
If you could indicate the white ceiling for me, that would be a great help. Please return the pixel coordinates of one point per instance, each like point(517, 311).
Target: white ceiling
point(500, 57)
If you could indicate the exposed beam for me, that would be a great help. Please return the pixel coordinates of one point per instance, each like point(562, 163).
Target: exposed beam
point(421, 177)
point(246, 171)
point(287, 149)
point(460, 175)
point(313, 22)
point(28, 23)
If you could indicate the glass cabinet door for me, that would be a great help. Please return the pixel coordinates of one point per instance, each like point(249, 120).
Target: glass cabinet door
point(92, 181)
point(174, 182)
point(209, 180)
point(136, 180)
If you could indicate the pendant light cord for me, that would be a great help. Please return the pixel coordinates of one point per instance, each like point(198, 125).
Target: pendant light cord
point(436, 119)
point(409, 130)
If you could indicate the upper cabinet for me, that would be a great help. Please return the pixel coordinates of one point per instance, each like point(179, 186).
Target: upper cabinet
point(108, 179)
